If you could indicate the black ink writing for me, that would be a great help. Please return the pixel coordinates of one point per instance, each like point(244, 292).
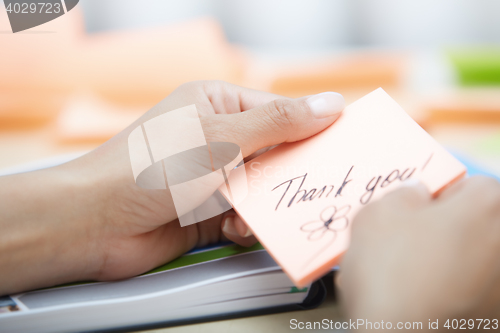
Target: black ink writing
point(395, 175)
point(290, 181)
point(302, 194)
point(427, 162)
point(330, 220)
point(370, 188)
point(306, 195)
point(344, 183)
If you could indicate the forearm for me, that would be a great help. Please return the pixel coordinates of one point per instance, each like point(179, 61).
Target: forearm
point(46, 230)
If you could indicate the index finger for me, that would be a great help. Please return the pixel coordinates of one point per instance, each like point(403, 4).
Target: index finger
point(232, 98)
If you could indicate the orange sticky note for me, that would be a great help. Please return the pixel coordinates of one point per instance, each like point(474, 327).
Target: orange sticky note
point(303, 196)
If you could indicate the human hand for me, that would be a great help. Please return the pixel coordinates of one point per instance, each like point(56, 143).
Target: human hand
point(95, 223)
point(414, 259)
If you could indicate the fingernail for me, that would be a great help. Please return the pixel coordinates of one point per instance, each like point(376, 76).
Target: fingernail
point(326, 104)
point(229, 227)
point(248, 233)
point(411, 182)
point(416, 184)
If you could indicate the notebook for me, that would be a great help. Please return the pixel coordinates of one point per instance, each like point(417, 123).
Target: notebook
point(208, 284)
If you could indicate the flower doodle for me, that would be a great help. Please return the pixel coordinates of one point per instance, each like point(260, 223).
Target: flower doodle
point(331, 220)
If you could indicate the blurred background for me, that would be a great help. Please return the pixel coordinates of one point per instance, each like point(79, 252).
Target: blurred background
point(71, 84)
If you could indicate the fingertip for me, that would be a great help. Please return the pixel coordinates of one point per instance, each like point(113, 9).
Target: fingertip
point(241, 227)
point(326, 104)
point(416, 185)
point(411, 192)
point(234, 229)
point(228, 227)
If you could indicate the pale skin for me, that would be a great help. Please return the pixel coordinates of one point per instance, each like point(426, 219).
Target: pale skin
point(88, 220)
point(414, 259)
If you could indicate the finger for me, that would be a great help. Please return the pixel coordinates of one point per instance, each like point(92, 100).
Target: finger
point(282, 120)
point(410, 194)
point(452, 189)
point(259, 152)
point(472, 194)
point(230, 98)
point(250, 99)
point(236, 230)
point(233, 225)
point(470, 184)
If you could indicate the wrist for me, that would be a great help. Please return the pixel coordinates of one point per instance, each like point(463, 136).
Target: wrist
point(46, 229)
point(89, 189)
point(103, 186)
point(75, 223)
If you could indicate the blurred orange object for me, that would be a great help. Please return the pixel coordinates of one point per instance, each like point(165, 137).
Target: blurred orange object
point(28, 108)
point(41, 66)
point(361, 71)
point(87, 118)
point(466, 105)
point(144, 66)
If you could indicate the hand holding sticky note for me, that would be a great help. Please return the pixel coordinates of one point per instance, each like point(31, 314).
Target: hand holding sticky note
point(303, 196)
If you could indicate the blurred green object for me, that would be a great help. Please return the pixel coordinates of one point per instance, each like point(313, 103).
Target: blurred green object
point(490, 145)
point(477, 65)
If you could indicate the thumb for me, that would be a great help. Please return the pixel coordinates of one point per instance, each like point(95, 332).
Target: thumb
point(282, 120)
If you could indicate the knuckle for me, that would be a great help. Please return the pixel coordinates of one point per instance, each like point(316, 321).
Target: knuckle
point(215, 87)
point(282, 112)
point(203, 84)
point(219, 83)
point(213, 84)
point(192, 84)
